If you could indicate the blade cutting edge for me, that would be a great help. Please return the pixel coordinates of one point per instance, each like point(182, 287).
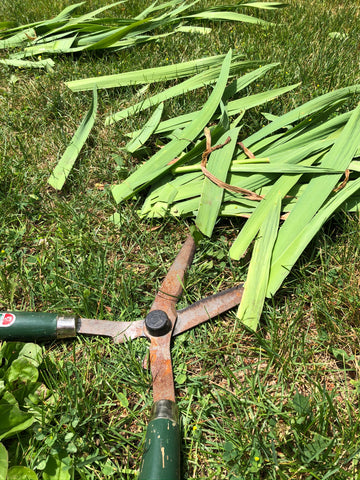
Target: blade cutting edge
point(118, 331)
point(207, 308)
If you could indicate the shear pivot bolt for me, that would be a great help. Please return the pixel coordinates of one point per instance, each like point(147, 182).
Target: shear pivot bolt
point(157, 323)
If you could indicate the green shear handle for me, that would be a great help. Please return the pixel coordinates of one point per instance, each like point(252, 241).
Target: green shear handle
point(35, 326)
point(161, 457)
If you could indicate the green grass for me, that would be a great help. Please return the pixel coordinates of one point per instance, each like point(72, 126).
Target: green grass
point(279, 404)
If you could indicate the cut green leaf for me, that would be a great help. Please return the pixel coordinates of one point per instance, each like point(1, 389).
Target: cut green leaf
point(149, 75)
point(255, 288)
point(63, 168)
point(307, 210)
point(147, 130)
point(47, 63)
point(162, 160)
point(212, 195)
point(198, 81)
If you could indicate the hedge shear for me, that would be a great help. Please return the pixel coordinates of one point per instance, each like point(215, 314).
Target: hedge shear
point(161, 457)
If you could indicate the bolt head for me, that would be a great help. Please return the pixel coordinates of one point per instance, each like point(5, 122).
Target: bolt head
point(157, 323)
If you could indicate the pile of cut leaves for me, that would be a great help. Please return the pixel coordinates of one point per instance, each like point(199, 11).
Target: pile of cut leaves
point(190, 76)
point(287, 178)
point(68, 33)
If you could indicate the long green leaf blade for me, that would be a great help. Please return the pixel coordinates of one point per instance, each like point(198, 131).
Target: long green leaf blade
point(282, 265)
point(265, 5)
point(64, 14)
point(229, 16)
point(149, 75)
point(161, 161)
point(255, 287)
point(87, 16)
point(212, 195)
point(283, 168)
point(112, 38)
point(298, 113)
point(251, 101)
point(46, 63)
point(146, 131)
point(316, 193)
point(207, 77)
point(252, 226)
point(63, 168)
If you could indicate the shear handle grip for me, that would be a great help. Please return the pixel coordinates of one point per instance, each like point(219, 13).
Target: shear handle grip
point(33, 326)
point(161, 457)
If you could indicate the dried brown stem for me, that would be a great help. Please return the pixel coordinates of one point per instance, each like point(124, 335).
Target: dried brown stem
point(344, 182)
point(226, 186)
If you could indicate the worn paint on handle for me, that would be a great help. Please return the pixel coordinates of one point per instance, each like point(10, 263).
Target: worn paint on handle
point(161, 458)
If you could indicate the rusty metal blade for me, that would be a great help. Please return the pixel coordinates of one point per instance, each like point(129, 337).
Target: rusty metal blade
point(161, 368)
point(165, 301)
point(172, 285)
point(189, 317)
point(119, 331)
point(207, 308)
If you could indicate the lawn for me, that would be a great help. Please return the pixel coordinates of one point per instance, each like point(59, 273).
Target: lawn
point(281, 403)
